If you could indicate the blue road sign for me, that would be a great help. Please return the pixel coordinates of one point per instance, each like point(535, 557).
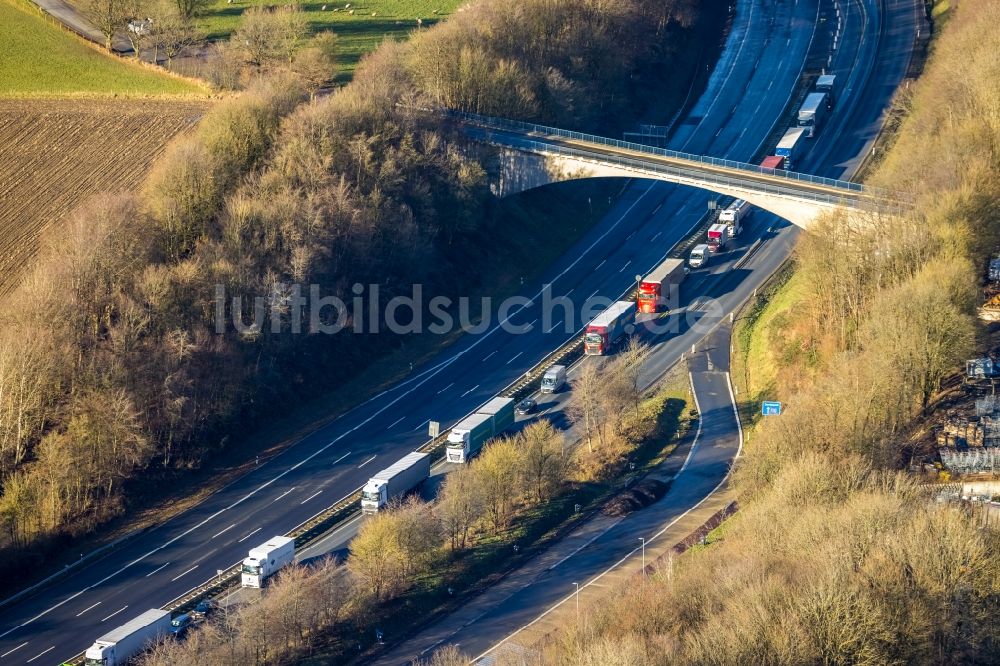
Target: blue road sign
point(770, 408)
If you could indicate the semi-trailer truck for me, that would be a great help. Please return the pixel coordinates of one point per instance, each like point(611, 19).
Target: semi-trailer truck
point(812, 113)
point(658, 288)
point(403, 476)
point(791, 146)
point(773, 162)
point(608, 328)
point(718, 236)
point(266, 560)
point(733, 216)
point(554, 379)
point(468, 436)
point(119, 645)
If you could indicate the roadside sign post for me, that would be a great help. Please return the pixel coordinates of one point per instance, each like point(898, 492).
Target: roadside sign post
point(434, 428)
point(770, 408)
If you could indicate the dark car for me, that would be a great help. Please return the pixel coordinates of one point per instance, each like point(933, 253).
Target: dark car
point(526, 406)
point(179, 625)
point(205, 606)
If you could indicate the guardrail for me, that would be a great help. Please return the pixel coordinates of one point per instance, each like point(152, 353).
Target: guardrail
point(524, 127)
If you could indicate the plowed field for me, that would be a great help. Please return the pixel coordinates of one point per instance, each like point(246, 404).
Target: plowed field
point(54, 154)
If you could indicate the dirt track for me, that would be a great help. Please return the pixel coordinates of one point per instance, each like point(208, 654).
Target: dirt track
point(56, 153)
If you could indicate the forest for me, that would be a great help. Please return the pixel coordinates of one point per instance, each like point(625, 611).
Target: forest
point(111, 369)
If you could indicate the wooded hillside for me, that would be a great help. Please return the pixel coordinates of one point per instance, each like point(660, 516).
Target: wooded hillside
point(110, 364)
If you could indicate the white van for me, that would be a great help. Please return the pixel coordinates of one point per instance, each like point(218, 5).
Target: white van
point(699, 256)
point(553, 379)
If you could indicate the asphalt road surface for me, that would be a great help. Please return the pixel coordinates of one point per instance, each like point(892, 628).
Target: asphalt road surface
point(746, 93)
point(876, 65)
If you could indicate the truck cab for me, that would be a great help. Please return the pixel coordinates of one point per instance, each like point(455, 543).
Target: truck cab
point(718, 236)
point(374, 496)
point(699, 256)
point(252, 572)
point(596, 340)
point(458, 445)
point(100, 655)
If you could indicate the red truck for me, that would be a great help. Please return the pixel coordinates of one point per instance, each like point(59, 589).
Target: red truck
point(656, 288)
point(608, 328)
point(773, 162)
point(718, 236)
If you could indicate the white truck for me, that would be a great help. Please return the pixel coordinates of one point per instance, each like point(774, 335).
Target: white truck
point(812, 113)
point(395, 481)
point(554, 379)
point(468, 436)
point(121, 644)
point(827, 83)
point(733, 216)
point(266, 560)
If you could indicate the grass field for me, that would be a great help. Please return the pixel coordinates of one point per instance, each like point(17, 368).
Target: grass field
point(38, 58)
point(358, 33)
point(56, 153)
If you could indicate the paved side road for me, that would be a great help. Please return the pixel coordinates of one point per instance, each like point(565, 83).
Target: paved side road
point(540, 598)
point(73, 19)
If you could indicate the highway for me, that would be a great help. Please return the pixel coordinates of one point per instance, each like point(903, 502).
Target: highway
point(745, 95)
point(876, 66)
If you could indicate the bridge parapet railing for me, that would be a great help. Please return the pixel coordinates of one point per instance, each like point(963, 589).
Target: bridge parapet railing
point(734, 181)
point(521, 126)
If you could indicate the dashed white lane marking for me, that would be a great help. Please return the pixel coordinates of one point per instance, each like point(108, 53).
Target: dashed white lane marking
point(446, 388)
point(13, 649)
point(82, 612)
point(184, 574)
point(600, 264)
point(395, 423)
point(622, 269)
point(108, 617)
point(470, 390)
point(367, 461)
point(223, 531)
point(41, 653)
point(487, 357)
point(162, 566)
point(512, 358)
point(249, 535)
point(310, 497)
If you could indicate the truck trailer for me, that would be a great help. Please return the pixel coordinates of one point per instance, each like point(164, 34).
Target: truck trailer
point(119, 645)
point(733, 216)
point(266, 560)
point(608, 328)
point(791, 146)
point(827, 83)
point(468, 436)
point(661, 289)
point(718, 236)
point(403, 476)
point(812, 113)
point(776, 162)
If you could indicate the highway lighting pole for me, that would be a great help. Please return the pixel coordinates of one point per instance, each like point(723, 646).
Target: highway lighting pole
point(643, 540)
point(577, 602)
point(638, 283)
